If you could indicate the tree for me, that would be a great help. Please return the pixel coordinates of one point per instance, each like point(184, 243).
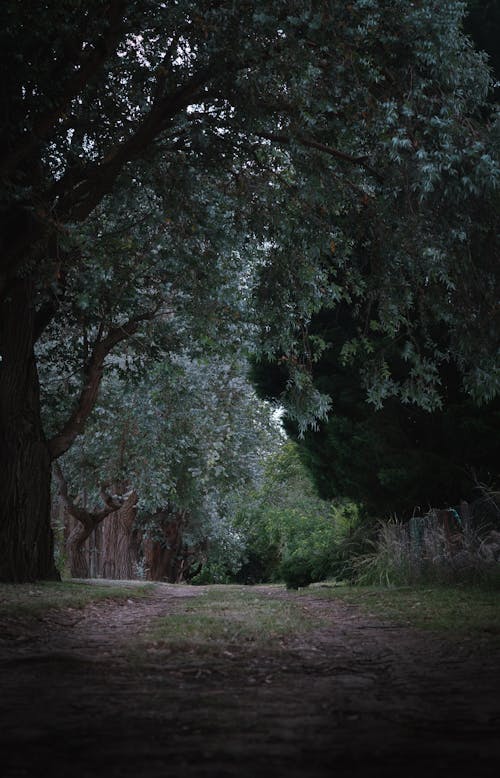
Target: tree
point(98, 97)
point(419, 448)
point(87, 521)
point(104, 98)
point(285, 530)
point(417, 252)
point(397, 459)
point(176, 444)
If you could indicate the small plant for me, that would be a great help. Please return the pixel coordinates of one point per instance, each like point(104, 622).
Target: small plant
point(212, 572)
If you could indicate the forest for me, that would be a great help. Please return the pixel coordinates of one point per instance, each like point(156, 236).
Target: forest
point(249, 388)
point(230, 224)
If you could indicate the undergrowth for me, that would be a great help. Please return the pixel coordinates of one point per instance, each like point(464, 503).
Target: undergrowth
point(423, 552)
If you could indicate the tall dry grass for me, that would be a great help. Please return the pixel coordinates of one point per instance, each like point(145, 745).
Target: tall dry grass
point(427, 551)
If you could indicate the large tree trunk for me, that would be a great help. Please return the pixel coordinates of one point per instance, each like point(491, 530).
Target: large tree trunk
point(26, 543)
point(119, 551)
point(169, 559)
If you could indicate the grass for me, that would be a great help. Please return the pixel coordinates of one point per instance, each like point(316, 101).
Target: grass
point(228, 618)
point(36, 598)
point(231, 618)
point(450, 611)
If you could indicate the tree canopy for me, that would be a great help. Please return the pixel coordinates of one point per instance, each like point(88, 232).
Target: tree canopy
point(406, 456)
point(400, 459)
point(182, 167)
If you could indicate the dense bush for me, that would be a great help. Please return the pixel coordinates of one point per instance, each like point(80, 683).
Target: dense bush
point(284, 531)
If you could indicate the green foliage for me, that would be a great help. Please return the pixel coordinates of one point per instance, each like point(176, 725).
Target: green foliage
point(416, 244)
point(399, 458)
point(172, 170)
point(400, 273)
point(287, 532)
point(188, 429)
point(206, 135)
point(298, 570)
point(224, 554)
point(184, 436)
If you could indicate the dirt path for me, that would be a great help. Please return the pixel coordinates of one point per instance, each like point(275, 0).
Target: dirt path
point(359, 695)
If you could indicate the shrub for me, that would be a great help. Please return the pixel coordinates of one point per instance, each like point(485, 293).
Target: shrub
point(296, 570)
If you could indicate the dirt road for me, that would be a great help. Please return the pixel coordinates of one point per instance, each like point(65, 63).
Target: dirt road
point(356, 696)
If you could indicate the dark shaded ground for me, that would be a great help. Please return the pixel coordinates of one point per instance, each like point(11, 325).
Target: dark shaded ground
point(358, 696)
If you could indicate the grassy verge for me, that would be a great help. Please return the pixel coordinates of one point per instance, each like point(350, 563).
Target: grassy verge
point(230, 618)
point(34, 599)
point(450, 611)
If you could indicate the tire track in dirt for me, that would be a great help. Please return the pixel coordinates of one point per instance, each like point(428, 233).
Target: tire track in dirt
point(358, 694)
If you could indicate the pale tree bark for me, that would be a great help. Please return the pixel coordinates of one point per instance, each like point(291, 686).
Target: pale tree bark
point(87, 521)
point(169, 559)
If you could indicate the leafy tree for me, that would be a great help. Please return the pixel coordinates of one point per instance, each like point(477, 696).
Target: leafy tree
point(286, 530)
point(189, 430)
point(100, 99)
point(181, 440)
point(299, 120)
point(400, 458)
point(415, 448)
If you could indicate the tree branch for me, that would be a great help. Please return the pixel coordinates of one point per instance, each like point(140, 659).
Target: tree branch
point(83, 71)
point(89, 519)
point(93, 374)
point(330, 150)
point(82, 189)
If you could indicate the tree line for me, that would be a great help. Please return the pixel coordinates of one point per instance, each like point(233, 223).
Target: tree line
point(202, 181)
